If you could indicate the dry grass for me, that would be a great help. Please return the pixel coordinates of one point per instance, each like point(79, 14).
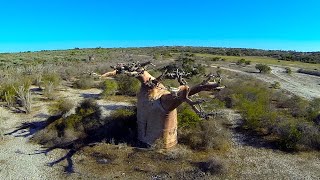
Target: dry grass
point(124, 162)
point(120, 98)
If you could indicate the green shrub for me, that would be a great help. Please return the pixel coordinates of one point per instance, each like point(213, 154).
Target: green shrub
point(109, 88)
point(275, 85)
point(127, 85)
point(187, 117)
point(241, 61)
point(8, 94)
point(88, 107)
point(263, 68)
point(205, 135)
point(8, 89)
point(253, 102)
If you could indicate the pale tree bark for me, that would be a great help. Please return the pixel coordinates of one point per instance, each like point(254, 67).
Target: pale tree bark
point(157, 105)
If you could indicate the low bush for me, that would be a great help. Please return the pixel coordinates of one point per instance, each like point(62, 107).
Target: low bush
point(205, 135)
point(297, 106)
point(289, 135)
point(8, 89)
point(54, 78)
point(187, 117)
point(84, 83)
point(276, 85)
point(127, 85)
point(241, 62)
point(49, 90)
point(61, 107)
point(61, 131)
point(109, 87)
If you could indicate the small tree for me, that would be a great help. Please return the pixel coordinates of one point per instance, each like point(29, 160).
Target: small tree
point(263, 68)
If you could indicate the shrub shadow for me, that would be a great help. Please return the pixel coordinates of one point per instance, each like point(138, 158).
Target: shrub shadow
point(114, 130)
point(90, 95)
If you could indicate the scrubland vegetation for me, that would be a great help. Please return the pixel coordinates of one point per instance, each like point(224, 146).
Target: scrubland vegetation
point(108, 144)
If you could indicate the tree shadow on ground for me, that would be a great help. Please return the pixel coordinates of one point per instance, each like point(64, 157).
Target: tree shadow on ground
point(90, 95)
point(28, 129)
point(111, 130)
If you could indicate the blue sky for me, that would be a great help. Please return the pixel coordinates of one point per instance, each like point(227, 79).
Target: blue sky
point(62, 24)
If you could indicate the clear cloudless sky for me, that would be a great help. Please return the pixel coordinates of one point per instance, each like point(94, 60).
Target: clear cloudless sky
point(63, 24)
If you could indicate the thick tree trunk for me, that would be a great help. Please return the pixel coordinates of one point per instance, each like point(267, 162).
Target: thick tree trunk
point(156, 125)
point(156, 108)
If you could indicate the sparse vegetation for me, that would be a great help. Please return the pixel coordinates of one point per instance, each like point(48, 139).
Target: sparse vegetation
point(287, 119)
point(106, 146)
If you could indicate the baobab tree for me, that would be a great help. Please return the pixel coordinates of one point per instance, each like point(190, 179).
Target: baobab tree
point(157, 105)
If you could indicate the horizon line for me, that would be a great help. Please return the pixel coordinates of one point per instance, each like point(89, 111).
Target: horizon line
point(150, 46)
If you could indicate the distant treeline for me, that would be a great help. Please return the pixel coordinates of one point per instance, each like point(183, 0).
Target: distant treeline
point(308, 57)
